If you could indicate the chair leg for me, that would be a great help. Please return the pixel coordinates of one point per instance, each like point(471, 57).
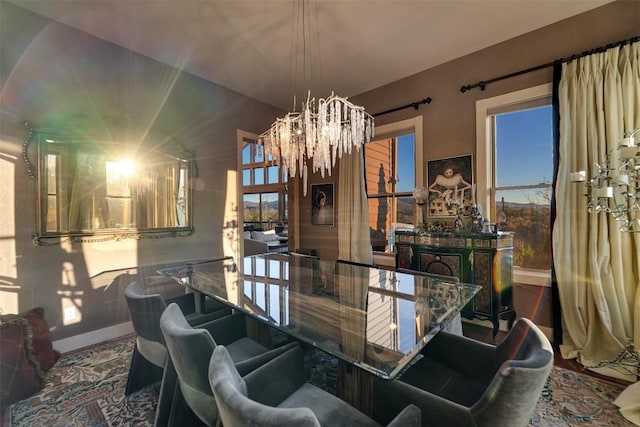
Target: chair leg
point(181, 413)
point(168, 390)
point(142, 373)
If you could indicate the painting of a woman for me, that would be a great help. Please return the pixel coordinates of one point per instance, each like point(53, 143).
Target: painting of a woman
point(322, 204)
point(450, 186)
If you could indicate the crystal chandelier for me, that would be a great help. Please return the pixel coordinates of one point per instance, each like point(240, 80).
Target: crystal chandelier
point(321, 131)
point(615, 187)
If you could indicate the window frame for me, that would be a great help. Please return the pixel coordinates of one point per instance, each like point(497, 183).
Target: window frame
point(485, 164)
point(280, 188)
point(413, 125)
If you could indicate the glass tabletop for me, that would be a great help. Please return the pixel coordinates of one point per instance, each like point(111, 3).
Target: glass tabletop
point(375, 319)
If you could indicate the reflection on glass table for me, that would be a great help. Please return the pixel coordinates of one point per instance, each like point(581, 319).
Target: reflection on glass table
point(375, 319)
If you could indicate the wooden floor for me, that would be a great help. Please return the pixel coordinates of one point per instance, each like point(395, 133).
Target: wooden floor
point(484, 334)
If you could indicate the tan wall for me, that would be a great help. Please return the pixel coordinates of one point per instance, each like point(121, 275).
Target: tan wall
point(51, 72)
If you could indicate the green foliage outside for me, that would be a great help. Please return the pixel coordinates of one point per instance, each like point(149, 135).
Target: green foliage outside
point(532, 239)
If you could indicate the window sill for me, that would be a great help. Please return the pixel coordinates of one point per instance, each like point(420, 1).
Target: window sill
point(529, 276)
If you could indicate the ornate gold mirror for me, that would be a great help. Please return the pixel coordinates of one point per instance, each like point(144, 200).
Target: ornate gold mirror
point(95, 188)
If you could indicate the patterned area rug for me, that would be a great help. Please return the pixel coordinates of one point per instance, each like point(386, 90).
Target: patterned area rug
point(86, 388)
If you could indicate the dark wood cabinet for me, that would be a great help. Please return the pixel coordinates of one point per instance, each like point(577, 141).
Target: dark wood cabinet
point(478, 258)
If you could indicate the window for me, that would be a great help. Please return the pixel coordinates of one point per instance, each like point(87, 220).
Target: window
point(263, 186)
point(515, 167)
point(392, 168)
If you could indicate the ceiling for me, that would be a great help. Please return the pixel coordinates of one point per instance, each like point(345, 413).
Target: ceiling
point(248, 45)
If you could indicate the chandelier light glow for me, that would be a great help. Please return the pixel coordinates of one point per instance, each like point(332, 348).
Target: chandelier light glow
point(322, 132)
point(615, 186)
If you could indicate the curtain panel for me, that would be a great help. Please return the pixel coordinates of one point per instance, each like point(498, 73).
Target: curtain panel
point(597, 266)
point(354, 238)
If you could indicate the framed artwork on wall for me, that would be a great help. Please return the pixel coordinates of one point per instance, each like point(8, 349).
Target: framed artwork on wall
point(450, 186)
point(322, 204)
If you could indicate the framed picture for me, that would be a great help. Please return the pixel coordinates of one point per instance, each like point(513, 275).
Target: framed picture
point(450, 186)
point(322, 204)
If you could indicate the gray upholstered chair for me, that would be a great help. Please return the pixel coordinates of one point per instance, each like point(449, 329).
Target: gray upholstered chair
point(190, 351)
point(463, 382)
point(150, 354)
point(276, 394)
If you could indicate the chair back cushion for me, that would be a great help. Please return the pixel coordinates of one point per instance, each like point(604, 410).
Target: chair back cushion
point(145, 311)
point(237, 410)
point(527, 359)
point(190, 350)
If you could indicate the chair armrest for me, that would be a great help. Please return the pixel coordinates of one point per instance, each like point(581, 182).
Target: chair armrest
point(277, 379)
point(391, 397)
point(254, 247)
point(198, 319)
point(186, 302)
point(411, 416)
point(227, 329)
point(246, 366)
point(471, 358)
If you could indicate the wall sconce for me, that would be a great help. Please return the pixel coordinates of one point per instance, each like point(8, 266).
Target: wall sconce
point(615, 187)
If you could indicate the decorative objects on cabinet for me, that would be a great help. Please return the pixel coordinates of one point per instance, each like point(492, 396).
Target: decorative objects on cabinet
point(483, 259)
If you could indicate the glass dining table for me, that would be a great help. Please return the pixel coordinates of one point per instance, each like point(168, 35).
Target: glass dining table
point(374, 319)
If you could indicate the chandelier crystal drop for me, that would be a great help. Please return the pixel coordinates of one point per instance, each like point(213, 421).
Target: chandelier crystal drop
point(321, 132)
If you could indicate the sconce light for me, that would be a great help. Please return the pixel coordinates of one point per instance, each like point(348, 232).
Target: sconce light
point(615, 186)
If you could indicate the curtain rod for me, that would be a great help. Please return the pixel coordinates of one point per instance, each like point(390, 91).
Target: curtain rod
point(482, 84)
point(415, 105)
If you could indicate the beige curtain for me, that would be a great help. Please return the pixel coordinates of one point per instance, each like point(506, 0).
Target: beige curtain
point(597, 266)
point(88, 206)
point(354, 244)
point(354, 240)
point(156, 196)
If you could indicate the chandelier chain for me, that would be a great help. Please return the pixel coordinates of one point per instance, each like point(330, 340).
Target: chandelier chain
point(324, 129)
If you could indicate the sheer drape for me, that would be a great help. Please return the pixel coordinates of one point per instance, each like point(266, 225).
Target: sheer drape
point(597, 266)
point(156, 196)
point(88, 206)
point(354, 240)
point(354, 244)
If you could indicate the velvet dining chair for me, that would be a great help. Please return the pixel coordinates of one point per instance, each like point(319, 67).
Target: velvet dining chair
point(149, 354)
point(463, 382)
point(190, 351)
point(149, 360)
point(276, 394)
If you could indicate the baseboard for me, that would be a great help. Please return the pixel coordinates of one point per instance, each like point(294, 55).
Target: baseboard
point(94, 337)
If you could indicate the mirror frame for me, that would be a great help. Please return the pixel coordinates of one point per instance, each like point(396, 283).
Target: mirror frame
point(35, 145)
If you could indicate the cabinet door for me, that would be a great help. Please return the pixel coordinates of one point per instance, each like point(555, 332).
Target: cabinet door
point(503, 277)
point(483, 276)
point(441, 263)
